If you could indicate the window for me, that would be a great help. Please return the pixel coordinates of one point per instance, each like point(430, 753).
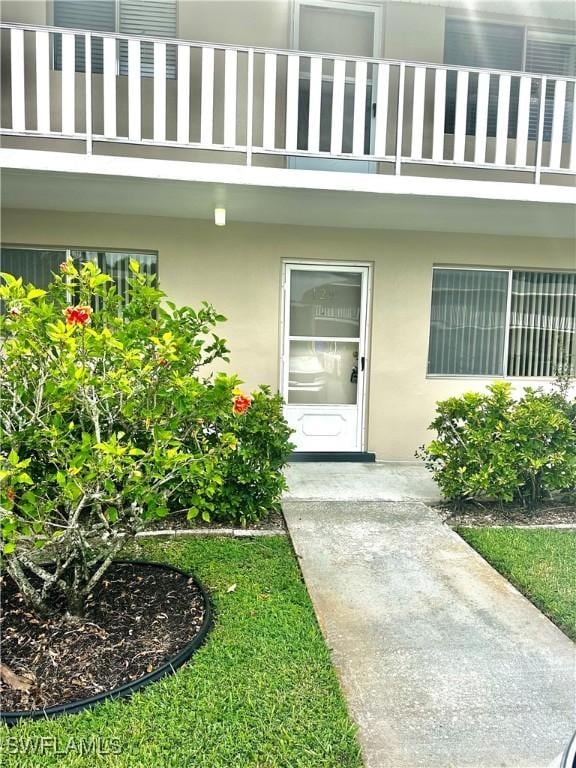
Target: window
point(491, 322)
point(508, 47)
point(37, 265)
point(152, 18)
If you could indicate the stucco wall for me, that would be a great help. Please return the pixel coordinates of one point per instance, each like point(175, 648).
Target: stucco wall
point(238, 269)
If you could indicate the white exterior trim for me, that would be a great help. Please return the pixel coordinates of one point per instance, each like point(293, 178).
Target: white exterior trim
point(288, 178)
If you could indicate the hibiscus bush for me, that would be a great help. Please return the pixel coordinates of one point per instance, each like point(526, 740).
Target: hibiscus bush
point(108, 424)
point(492, 446)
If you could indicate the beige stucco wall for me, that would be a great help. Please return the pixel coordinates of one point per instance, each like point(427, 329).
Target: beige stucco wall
point(238, 269)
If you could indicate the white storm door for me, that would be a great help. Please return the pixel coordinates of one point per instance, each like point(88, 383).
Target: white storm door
point(324, 355)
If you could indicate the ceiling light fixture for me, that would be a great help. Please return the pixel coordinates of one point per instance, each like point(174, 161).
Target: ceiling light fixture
point(220, 217)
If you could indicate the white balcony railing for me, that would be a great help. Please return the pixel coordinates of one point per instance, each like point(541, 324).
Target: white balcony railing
point(106, 88)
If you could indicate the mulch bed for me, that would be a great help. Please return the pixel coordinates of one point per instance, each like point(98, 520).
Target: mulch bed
point(552, 512)
point(138, 618)
point(274, 521)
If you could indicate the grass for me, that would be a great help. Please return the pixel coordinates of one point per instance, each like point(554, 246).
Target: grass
point(540, 563)
point(261, 693)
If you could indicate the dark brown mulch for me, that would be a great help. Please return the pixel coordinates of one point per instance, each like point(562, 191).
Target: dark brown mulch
point(552, 512)
point(139, 617)
point(274, 521)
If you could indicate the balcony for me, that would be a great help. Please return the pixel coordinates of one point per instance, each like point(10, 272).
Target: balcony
point(98, 122)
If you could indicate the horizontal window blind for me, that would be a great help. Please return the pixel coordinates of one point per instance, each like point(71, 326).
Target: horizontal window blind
point(153, 18)
point(554, 55)
point(488, 46)
point(468, 321)
point(98, 15)
point(542, 324)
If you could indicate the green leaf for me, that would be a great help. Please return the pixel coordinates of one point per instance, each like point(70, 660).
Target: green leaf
point(134, 266)
point(9, 548)
point(36, 293)
point(13, 458)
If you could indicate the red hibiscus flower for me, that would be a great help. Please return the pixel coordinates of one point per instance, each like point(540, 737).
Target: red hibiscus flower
point(78, 315)
point(240, 404)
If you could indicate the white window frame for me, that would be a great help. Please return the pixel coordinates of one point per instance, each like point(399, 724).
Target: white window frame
point(489, 376)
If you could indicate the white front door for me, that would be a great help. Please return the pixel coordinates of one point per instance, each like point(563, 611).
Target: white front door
point(324, 354)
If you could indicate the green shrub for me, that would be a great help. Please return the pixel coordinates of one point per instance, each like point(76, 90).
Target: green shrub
point(108, 424)
point(490, 446)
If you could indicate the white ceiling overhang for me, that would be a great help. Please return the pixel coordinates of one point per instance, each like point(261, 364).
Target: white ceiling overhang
point(97, 184)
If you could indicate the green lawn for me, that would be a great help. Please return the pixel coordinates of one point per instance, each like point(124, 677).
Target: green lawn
point(540, 562)
point(261, 693)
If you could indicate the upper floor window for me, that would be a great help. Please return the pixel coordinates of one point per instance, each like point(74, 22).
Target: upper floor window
point(501, 322)
point(508, 47)
point(148, 18)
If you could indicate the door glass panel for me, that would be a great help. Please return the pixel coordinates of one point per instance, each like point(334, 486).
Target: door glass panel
point(336, 30)
point(323, 372)
point(325, 303)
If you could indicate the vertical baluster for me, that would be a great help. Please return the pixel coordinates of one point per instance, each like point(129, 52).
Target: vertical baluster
point(292, 87)
point(418, 112)
point(207, 97)
point(68, 84)
point(359, 126)
point(523, 121)
point(557, 123)
point(314, 108)
point(337, 127)
point(230, 80)
point(381, 129)
point(460, 119)
point(502, 119)
point(439, 114)
point(134, 91)
point(400, 119)
point(42, 81)
point(481, 118)
point(159, 92)
point(109, 85)
point(17, 79)
point(183, 96)
point(269, 127)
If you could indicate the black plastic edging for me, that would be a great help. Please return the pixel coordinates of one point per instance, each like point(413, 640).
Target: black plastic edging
point(127, 689)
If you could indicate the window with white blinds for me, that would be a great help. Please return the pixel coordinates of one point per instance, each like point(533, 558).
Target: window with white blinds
point(152, 18)
point(487, 322)
point(37, 266)
point(148, 18)
point(508, 47)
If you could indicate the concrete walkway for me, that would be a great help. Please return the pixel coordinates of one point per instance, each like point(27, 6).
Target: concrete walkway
point(443, 663)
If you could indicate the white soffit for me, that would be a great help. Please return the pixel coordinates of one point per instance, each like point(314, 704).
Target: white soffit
point(284, 196)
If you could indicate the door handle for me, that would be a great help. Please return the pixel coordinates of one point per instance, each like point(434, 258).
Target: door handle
point(362, 363)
